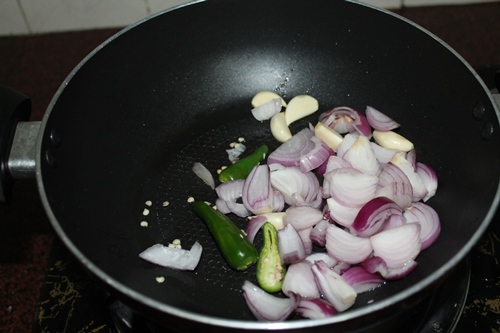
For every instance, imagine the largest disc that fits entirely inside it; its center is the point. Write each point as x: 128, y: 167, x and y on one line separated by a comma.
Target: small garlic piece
x: 264, y: 97
x: 328, y: 135
x: 299, y: 107
x: 392, y: 140
x: 279, y: 128
x: 276, y: 219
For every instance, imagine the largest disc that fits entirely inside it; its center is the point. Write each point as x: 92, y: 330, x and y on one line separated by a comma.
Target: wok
x: 131, y: 119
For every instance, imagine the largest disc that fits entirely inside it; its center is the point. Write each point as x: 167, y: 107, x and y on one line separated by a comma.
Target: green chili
x: 233, y: 244
x: 241, y: 169
x: 270, y: 271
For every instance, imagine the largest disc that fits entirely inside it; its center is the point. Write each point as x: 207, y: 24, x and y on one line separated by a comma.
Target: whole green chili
x: 241, y: 169
x: 233, y: 244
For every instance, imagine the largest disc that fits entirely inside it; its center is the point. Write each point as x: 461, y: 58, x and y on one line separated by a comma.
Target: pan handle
x: 14, y: 108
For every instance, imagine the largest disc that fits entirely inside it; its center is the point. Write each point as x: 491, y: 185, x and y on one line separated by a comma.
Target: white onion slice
x: 299, y: 280
x: 379, y: 120
x: 291, y: 247
x: 302, y: 217
x: 257, y: 191
x: 333, y: 288
x: 378, y: 265
x: 346, y: 247
x: 315, y: 308
x: 201, y: 171
x: 267, y: 110
x: 361, y: 156
x: 176, y: 258
x: 346, y: 120
x: 267, y: 307
x: 429, y: 179
x: 427, y: 217
x: 361, y: 280
x: 398, y: 245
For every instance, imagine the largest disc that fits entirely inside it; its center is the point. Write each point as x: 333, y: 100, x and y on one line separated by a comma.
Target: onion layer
x: 173, y: 257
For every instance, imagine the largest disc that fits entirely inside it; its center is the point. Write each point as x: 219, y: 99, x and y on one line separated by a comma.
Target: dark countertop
x: 36, y: 66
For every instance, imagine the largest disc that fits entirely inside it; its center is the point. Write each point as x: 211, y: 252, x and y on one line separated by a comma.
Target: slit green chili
x: 241, y: 169
x: 232, y: 242
x: 270, y: 271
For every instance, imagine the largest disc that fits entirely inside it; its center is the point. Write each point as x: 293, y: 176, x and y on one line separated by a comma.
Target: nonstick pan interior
x: 132, y: 118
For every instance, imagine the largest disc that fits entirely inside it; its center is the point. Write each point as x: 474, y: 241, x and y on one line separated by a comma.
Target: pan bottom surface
x: 437, y: 313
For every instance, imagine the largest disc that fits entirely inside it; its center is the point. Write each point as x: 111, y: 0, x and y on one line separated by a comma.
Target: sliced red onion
x: 291, y: 247
x: 257, y: 191
x: 379, y: 121
x: 231, y: 190
x: 384, y: 155
x: 373, y: 215
x: 394, y: 221
x: 346, y: 144
x: 305, y: 236
x: 361, y: 280
x: 289, y: 153
x: 278, y: 201
x: 267, y: 110
x: 267, y: 307
x: 427, y: 217
x: 346, y: 120
x: 302, y: 217
x: 345, y: 247
x: 333, y: 288
x: 299, y: 280
x: 222, y: 206
x: 291, y: 180
x: 171, y: 257
x: 318, y: 233
x: 254, y: 225
x: 352, y: 189
x: 411, y: 156
x: 362, y: 157
x: 400, y: 193
x: 238, y: 209
x: 398, y: 245
x: 315, y: 308
x: 419, y: 190
x: 429, y: 179
x: 315, y: 157
x: 392, y: 174
x: 343, y: 215
x: 323, y: 256
x: 201, y: 171
x: 378, y: 265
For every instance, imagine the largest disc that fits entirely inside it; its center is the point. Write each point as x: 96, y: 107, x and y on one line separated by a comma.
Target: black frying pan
x: 131, y: 119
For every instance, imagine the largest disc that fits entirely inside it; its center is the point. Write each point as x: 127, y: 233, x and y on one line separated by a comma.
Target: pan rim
x: 237, y: 324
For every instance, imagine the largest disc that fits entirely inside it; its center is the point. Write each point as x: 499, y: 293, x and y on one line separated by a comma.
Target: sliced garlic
x: 264, y: 97
x: 392, y: 140
x: 328, y: 135
x: 276, y: 219
x: 299, y: 107
x: 279, y: 128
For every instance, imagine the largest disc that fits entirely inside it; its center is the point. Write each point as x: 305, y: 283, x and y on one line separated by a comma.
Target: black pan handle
x: 14, y: 107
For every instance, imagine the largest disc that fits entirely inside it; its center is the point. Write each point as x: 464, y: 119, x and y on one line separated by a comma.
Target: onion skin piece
x: 267, y: 307
x: 201, y: 171
x: 180, y: 259
x: 315, y: 308
x: 333, y: 288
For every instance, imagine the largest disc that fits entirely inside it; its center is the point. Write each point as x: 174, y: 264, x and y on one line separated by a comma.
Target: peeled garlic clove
x: 392, y: 140
x: 299, y: 107
x: 279, y: 128
x: 264, y: 97
x: 329, y: 136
